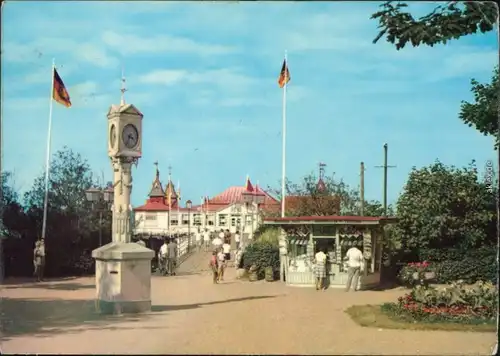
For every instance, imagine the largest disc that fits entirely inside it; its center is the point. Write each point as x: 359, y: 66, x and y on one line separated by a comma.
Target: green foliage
x: 446, y: 22
x: 261, y: 254
x: 443, y: 207
x: 483, y: 113
x: 459, y: 303
x: 72, y: 223
x: 469, y: 265
x: 270, y: 235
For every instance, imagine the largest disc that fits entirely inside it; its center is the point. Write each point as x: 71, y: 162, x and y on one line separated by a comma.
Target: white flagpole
x: 283, y: 148
x: 47, y: 158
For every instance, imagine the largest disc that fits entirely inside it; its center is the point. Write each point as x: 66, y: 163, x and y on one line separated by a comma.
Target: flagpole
x: 47, y: 157
x: 283, y: 148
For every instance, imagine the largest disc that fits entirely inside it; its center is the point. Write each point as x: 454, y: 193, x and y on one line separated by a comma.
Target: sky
x: 205, y: 77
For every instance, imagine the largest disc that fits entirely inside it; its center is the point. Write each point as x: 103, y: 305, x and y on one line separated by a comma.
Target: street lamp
x: 189, y: 205
x: 101, y: 198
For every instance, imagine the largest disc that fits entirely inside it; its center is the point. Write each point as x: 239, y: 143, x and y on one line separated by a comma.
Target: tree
x: 446, y: 22
x: 12, y: 215
x: 307, y: 198
x: 445, y: 207
x: 449, y: 21
x: 72, y: 225
x: 483, y: 113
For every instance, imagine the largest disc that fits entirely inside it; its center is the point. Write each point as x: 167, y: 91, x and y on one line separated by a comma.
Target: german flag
x: 284, y: 77
x: 59, y: 92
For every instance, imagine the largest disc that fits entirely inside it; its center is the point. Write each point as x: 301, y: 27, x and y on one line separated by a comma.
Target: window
x: 235, y: 220
x: 249, y: 219
x: 222, y: 219
x: 174, y: 220
x: 151, y: 216
x: 185, y: 219
x: 210, y: 220
x: 197, y: 219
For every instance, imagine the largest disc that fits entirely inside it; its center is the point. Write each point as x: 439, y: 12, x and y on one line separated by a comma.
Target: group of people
x: 221, y: 254
x: 206, y: 238
x: 167, y: 257
x: 355, y: 263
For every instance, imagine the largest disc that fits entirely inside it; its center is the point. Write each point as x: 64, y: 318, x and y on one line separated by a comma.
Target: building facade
x: 237, y: 208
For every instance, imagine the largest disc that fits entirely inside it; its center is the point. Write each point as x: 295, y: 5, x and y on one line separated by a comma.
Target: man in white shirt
x: 217, y: 242
x: 221, y: 235
x: 320, y: 269
x: 162, y: 257
x: 237, y: 239
x: 355, y: 261
x: 226, y: 249
x: 206, y: 239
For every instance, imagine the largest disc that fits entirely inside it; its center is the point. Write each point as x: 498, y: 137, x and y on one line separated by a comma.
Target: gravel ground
x: 191, y: 316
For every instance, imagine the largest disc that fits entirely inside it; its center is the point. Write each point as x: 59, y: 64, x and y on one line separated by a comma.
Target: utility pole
x: 385, y: 166
x: 362, y: 188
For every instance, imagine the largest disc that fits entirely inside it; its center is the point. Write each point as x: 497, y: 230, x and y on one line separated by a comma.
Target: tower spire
x: 123, y: 88
x: 157, y: 171
x: 169, y: 173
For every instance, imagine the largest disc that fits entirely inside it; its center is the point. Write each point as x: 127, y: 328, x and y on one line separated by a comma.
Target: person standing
x: 355, y: 262
x: 172, y: 257
x: 237, y: 239
x: 221, y: 264
x: 198, y: 239
x: 320, y: 269
x: 237, y: 258
x: 39, y: 259
x: 226, y: 249
x: 163, y: 257
x: 206, y: 239
x: 214, y: 266
x: 222, y: 235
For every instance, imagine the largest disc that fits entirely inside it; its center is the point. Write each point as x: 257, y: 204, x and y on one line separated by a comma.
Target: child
x: 214, y: 266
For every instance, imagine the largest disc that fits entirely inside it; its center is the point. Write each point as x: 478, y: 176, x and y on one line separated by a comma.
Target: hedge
x: 467, y: 265
x: 262, y: 254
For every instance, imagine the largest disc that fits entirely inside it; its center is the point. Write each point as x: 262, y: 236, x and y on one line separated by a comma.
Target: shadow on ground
x: 43, y: 317
x: 163, y: 308
x: 57, y: 286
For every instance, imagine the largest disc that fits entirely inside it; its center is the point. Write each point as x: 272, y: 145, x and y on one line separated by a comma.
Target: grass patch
x: 373, y: 316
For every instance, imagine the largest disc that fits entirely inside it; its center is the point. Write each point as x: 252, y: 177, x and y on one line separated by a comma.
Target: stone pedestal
x: 123, y: 278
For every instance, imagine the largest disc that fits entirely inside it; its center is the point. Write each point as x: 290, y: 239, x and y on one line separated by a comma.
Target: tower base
x: 123, y: 278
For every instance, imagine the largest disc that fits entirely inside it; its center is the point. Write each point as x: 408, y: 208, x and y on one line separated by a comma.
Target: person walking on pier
x: 213, y: 264
x: 172, y: 257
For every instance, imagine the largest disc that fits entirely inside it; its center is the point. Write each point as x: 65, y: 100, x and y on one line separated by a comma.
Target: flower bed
x: 457, y: 303
x: 416, y: 273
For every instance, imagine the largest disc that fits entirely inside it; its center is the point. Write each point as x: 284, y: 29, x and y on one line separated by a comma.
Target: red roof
x: 330, y: 218
x: 234, y: 195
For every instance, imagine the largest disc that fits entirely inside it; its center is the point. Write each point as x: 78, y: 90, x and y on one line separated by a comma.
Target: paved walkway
x: 191, y: 315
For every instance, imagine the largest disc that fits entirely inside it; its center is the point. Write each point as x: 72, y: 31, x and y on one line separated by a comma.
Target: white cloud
x: 53, y: 47
x: 133, y: 44
x: 224, y: 77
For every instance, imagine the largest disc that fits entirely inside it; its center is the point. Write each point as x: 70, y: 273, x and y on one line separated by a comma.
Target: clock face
x: 112, y: 135
x: 130, y: 136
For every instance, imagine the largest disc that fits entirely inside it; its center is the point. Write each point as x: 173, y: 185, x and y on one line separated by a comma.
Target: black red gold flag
x: 284, y: 77
x: 59, y: 92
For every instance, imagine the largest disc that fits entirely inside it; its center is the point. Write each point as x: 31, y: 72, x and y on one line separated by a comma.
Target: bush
x: 261, y: 254
x: 469, y: 265
x: 455, y: 303
x: 406, y: 274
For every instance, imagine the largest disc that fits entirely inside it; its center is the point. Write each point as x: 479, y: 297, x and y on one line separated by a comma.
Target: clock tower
x: 123, y: 268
